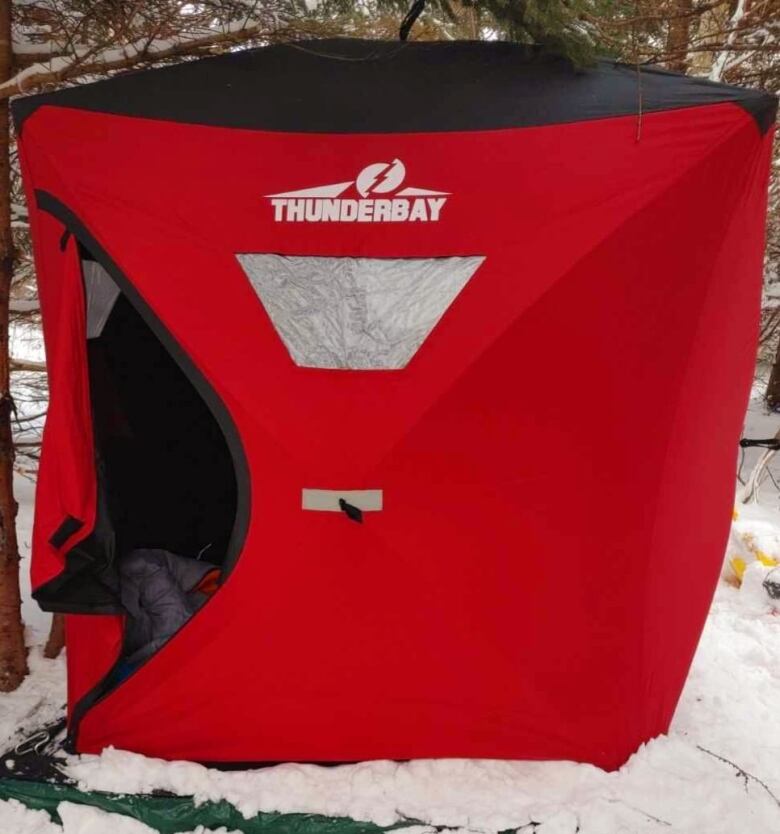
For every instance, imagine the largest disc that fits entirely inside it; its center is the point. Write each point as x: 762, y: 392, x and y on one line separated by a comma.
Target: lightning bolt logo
x: 380, y: 178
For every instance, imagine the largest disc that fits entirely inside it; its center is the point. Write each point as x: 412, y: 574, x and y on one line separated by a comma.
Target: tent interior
x: 166, y: 480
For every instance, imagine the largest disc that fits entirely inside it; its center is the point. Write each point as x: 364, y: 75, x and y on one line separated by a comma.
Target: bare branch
x: 742, y: 773
x: 98, y: 61
x: 28, y: 365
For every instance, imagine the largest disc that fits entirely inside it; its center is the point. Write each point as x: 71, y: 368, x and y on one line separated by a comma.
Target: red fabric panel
x: 540, y: 456
x: 700, y: 450
x: 66, y: 477
x: 93, y: 643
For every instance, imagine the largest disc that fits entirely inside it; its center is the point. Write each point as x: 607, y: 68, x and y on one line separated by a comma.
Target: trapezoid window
x: 358, y: 313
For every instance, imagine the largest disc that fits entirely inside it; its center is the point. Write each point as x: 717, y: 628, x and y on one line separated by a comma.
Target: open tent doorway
x: 168, y: 474
x: 166, y: 484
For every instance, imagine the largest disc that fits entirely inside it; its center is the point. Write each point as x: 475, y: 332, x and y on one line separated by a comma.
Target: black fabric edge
x: 49, y: 594
x: 52, y: 205
x: 260, y: 764
x: 66, y: 608
x: 760, y: 105
x: 762, y: 109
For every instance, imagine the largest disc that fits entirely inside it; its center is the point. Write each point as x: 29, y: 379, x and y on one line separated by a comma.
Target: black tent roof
x: 400, y: 87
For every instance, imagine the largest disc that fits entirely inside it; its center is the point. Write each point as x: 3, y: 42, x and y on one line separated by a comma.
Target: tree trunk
x: 13, y: 657
x: 772, y: 395
x: 678, y: 38
x: 56, y: 641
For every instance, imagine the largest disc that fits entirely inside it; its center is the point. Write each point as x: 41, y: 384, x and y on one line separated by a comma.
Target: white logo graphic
x: 381, y: 200
x: 380, y: 178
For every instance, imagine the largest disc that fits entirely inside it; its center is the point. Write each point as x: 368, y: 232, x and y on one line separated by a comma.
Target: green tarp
x: 175, y: 814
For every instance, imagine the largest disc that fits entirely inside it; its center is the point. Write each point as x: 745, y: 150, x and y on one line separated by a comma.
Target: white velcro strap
x: 327, y: 500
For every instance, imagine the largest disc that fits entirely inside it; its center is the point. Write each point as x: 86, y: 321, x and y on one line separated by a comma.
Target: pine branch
x: 99, y: 61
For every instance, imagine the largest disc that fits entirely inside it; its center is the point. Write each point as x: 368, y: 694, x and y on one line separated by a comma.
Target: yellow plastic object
x: 769, y: 561
x: 738, y: 565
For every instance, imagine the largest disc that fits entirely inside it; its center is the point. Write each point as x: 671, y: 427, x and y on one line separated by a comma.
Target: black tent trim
x: 402, y: 87
x: 52, y: 205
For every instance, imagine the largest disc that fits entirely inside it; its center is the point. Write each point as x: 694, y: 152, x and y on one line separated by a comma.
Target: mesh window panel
x: 101, y: 293
x: 360, y: 313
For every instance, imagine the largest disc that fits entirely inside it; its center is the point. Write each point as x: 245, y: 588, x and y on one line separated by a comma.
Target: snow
x: 721, y: 58
x: 38, y: 701
x: 18, y: 819
x: 37, y: 622
x: 718, y: 770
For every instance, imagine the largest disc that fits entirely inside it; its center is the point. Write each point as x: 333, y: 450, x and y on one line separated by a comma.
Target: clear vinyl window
x: 359, y: 313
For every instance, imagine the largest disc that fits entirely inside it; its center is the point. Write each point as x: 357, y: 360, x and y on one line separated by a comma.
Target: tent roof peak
x: 408, y: 87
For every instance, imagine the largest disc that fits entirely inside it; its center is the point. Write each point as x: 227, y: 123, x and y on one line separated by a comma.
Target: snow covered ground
x: 717, y: 772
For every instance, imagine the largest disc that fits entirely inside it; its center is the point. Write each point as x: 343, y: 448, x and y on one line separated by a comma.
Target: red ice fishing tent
x: 439, y: 351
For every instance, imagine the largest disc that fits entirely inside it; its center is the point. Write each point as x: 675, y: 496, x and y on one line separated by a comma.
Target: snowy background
x: 717, y: 771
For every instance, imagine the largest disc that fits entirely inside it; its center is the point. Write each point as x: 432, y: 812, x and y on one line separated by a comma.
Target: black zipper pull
x: 352, y: 512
